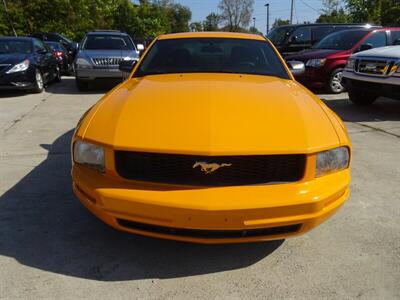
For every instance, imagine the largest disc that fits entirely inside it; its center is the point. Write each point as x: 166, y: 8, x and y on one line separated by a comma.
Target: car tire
x: 39, y: 83
x: 57, y: 77
x: 81, y: 85
x: 362, y: 97
x: 335, y: 85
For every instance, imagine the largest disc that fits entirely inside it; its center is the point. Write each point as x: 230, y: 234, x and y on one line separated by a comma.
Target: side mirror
x: 140, y: 47
x: 126, y: 66
x: 365, y: 47
x: 296, y: 67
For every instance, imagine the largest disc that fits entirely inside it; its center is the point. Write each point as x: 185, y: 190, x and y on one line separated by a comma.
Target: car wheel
x: 362, y: 97
x: 39, y: 83
x: 335, y: 85
x: 57, y: 78
x: 81, y: 85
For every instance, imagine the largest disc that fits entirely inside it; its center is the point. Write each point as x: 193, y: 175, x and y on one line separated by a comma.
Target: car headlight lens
x: 90, y: 155
x: 332, y: 160
x: 350, y: 64
x: 82, y: 63
x: 23, y: 66
x: 316, y: 63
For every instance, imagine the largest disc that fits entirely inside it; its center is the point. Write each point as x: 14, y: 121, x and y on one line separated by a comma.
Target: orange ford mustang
x: 211, y: 140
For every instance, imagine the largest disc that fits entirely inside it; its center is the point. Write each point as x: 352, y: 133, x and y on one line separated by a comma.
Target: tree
x: 179, y: 17
x: 280, y: 22
x: 236, y: 13
x: 335, y: 17
x: 212, y: 22
x: 196, y: 26
x: 365, y: 11
x: 390, y: 15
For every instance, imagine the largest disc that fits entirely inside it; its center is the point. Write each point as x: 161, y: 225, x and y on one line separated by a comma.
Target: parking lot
x: 50, y: 246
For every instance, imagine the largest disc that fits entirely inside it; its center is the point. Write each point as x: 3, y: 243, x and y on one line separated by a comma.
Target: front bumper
x: 314, y: 77
x: 98, y: 73
x: 17, y: 81
x: 211, y: 215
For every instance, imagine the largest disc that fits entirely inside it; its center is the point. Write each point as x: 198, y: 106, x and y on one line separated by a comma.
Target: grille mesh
x: 106, y: 61
x: 237, y: 170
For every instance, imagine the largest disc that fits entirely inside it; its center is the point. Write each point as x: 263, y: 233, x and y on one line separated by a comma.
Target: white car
x: 371, y: 74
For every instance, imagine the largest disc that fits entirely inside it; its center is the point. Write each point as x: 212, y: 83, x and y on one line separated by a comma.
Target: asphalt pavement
x: 51, y: 247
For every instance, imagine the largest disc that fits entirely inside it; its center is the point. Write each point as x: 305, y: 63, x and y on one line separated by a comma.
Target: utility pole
x: 8, y: 17
x: 267, y: 5
x: 254, y: 22
x: 291, y: 11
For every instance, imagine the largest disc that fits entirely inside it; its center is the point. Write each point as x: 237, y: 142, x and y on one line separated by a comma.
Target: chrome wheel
x: 39, y: 80
x: 336, y: 82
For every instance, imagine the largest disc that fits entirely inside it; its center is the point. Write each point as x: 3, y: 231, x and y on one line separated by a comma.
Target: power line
x: 309, y: 6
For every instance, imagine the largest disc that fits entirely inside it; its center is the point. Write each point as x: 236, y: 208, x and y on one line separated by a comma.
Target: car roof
x: 333, y: 24
x: 211, y: 34
x: 16, y: 38
x: 106, y: 32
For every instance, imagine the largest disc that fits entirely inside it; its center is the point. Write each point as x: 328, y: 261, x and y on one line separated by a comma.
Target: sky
x: 305, y: 10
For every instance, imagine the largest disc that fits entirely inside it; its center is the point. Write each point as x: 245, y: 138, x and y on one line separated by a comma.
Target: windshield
x: 108, y: 42
x: 15, y: 46
x: 279, y: 35
x: 211, y: 55
x: 342, y: 40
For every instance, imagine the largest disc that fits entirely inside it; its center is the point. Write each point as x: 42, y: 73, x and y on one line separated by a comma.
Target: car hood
x: 211, y: 114
x: 305, y: 55
x: 382, y: 52
x: 108, y: 53
x: 12, y: 59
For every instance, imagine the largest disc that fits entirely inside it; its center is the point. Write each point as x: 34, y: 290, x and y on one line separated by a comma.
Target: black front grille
x: 210, y: 234
x: 209, y: 170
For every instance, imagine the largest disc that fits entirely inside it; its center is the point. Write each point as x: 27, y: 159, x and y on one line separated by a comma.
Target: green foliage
x: 74, y: 18
x: 212, y: 22
x: 334, y: 16
x: 280, y: 22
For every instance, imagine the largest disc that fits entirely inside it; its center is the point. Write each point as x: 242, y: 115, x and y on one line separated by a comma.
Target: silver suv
x: 373, y: 73
x: 99, y: 55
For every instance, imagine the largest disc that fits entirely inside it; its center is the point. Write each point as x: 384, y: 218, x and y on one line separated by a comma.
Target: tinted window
x: 55, y: 46
x: 107, y: 42
x: 342, y: 40
x: 318, y: 33
x: 377, y: 39
x: 212, y: 55
x: 395, y: 37
x: 15, y: 46
x: 301, y: 36
x: 38, y: 45
x: 279, y: 35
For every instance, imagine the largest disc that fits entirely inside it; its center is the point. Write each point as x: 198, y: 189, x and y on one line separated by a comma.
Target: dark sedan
x: 65, y: 60
x: 26, y: 64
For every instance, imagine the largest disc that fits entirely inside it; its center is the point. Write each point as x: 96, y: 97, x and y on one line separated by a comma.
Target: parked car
x: 99, y: 55
x: 70, y: 45
x: 65, y: 61
x: 371, y: 74
x: 290, y: 39
x: 211, y: 140
x: 26, y: 64
x: 325, y: 60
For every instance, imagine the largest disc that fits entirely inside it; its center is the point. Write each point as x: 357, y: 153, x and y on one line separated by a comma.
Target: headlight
x: 89, y: 154
x: 316, y: 63
x: 332, y: 160
x: 83, y: 64
x: 350, y: 64
x: 19, y: 67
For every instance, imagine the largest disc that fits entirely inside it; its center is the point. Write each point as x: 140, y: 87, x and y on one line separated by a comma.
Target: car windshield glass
x: 107, y: 42
x: 54, y: 46
x: 279, y: 35
x: 212, y: 55
x: 342, y: 40
x: 15, y: 46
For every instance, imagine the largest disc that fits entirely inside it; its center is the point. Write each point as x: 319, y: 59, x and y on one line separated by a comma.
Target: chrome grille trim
x: 377, y: 67
x: 106, y: 61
